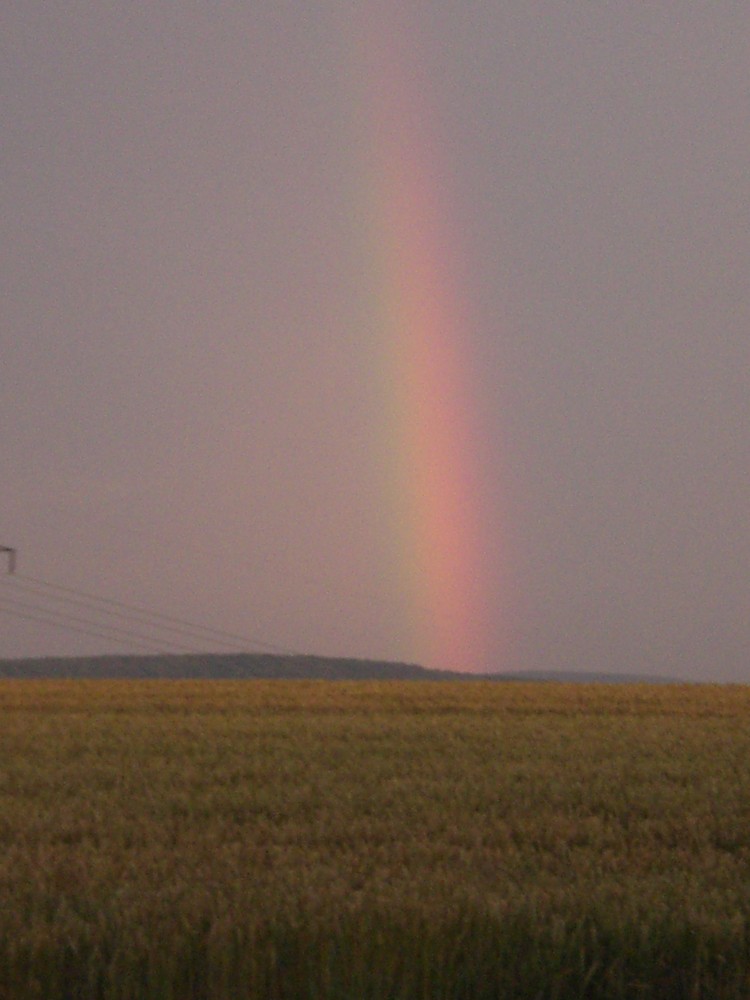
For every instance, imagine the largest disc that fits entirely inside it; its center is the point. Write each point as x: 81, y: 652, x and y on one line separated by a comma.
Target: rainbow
x: 431, y: 434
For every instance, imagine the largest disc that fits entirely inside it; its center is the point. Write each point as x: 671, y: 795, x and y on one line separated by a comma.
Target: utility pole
x: 11, y: 553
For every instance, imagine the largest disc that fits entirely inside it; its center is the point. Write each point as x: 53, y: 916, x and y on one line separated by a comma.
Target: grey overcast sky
x: 195, y: 411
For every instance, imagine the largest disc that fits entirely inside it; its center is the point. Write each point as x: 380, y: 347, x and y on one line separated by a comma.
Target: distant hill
x: 265, y: 666
x: 218, y: 666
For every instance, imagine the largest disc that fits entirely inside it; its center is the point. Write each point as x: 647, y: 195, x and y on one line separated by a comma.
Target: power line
x: 115, y: 631
x: 74, y: 628
x: 155, y: 617
x: 150, y: 621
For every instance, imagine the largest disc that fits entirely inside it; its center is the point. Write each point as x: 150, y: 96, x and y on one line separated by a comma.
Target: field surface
x: 373, y: 840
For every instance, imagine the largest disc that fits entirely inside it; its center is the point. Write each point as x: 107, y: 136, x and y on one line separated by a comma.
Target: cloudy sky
x: 200, y: 410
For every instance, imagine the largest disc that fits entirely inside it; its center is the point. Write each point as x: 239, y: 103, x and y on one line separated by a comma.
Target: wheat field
x: 386, y: 840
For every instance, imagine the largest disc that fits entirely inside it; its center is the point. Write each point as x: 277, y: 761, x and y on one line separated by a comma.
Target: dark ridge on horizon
x: 271, y: 666
x: 218, y: 666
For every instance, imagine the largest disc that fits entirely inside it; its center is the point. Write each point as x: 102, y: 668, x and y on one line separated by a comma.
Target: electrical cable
x: 154, y: 617
x: 115, y: 631
x: 150, y: 621
x: 73, y: 628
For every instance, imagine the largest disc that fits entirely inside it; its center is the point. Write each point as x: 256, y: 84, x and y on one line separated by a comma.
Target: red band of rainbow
x: 423, y: 323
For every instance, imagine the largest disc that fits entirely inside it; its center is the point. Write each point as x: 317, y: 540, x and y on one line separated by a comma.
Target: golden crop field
x: 363, y: 840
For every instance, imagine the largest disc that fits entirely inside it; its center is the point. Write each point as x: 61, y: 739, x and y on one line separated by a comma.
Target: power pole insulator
x: 11, y: 553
